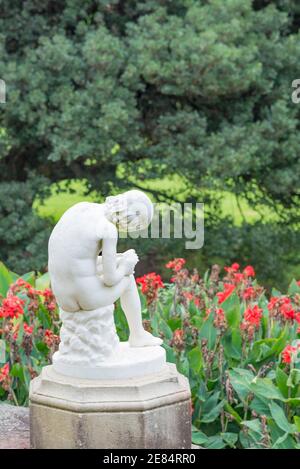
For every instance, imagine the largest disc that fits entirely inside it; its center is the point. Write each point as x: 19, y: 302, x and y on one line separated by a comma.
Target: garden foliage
x: 99, y: 90
x: 239, y: 349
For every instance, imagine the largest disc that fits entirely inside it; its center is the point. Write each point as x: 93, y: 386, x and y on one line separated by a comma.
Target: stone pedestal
x: 142, y: 412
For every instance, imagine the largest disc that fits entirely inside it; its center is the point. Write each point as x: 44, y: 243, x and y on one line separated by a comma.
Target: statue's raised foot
x: 144, y: 339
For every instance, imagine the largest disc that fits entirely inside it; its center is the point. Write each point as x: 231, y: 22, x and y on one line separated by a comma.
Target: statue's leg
x: 131, y: 305
x: 92, y: 293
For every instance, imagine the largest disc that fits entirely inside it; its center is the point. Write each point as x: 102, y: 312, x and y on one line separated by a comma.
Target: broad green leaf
x: 174, y: 323
x: 43, y: 281
x: 293, y: 401
x: 260, y: 406
x: 281, y: 439
x: 165, y: 329
x: 281, y: 381
x: 208, y: 331
x: 44, y: 317
x: 17, y: 371
x: 170, y: 354
x: 29, y: 277
x: 155, y: 324
x: 232, y: 310
x: 42, y: 347
x: 254, y: 425
x: 297, y: 422
x: 265, y: 388
x: 213, y: 414
x: 266, y: 348
x: 232, y: 412
x: 195, y: 359
x: 230, y: 438
x: 199, y: 438
x: 232, y: 344
x: 250, y: 439
x: 293, y: 288
x: 211, y: 402
x: 6, y: 278
x: 241, y: 380
x: 183, y: 366
x: 294, y: 378
x: 280, y: 418
x: 215, y: 442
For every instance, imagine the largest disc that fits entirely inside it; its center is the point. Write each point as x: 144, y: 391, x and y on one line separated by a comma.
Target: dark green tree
x: 196, y: 88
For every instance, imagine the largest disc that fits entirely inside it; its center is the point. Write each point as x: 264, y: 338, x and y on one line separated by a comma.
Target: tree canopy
x: 201, y: 89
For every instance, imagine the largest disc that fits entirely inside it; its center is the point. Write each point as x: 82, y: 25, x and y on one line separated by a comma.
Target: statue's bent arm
x: 113, y: 271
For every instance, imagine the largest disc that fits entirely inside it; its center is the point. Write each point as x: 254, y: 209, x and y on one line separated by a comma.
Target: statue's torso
x: 74, y: 245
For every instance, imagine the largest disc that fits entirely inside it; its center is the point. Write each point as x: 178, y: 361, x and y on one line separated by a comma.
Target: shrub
x: 29, y: 327
x: 239, y: 349
x: 98, y: 91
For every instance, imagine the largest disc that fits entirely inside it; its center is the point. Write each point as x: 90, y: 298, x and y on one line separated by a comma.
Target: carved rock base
x: 147, y: 412
x: 86, y: 337
x: 127, y: 362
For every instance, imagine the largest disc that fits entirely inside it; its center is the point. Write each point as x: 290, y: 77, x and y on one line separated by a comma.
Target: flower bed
x: 239, y: 348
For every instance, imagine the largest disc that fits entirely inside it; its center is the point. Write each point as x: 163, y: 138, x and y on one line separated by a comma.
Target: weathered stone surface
x: 14, y: 427
x: 148, y: 412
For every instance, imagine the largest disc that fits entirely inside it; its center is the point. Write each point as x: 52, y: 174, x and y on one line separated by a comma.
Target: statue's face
x: 133, y: 218
x: 130, y: 212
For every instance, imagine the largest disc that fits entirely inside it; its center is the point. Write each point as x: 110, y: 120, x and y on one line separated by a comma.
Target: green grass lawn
x: 58, y: 203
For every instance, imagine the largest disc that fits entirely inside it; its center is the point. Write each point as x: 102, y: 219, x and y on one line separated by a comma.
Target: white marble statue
x: 86, y: 286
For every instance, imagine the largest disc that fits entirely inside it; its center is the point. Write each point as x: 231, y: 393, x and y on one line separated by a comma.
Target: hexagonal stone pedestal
x: 146, y: 412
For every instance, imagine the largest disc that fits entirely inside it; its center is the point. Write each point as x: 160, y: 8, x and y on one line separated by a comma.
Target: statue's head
x: 130, y: 211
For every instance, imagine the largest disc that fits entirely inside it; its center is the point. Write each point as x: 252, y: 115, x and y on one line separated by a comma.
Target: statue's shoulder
x: 106, y: 229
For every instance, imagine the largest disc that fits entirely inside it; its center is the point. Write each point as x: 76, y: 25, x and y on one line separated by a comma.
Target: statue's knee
x: 129, y: 282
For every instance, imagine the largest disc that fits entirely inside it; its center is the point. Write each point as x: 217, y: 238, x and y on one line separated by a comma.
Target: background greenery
x: 241, y: 353
x: 188, y: 99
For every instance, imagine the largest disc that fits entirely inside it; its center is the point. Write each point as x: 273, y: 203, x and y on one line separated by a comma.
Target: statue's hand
x: 129, y: 261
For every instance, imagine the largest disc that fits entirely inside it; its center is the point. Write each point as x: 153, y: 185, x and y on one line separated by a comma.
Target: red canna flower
x: 188, y: 295
x: 282, y: 308
x: 176, y: 264
x: 249, y: 293
x: 287, y: 311
x: 220, y: 320
x: 21, y: 285
x: 150, y: 284
x: 48, y: 294
x: 228, y: 289
x: 50, y: 301
x: 233, y: 268
x: 50, y: 338
x: 27, y: 329
x: 196, y: 301
x: 12, y: 307
x: 4, y: 377
x: 273, y: 303
x: 238, y: 277
x: 251, y: 322
x: 249, y: 271
x: 253, y: 315
x: 288, y: 353
x: 178, y: 339
x: 4, y: 371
